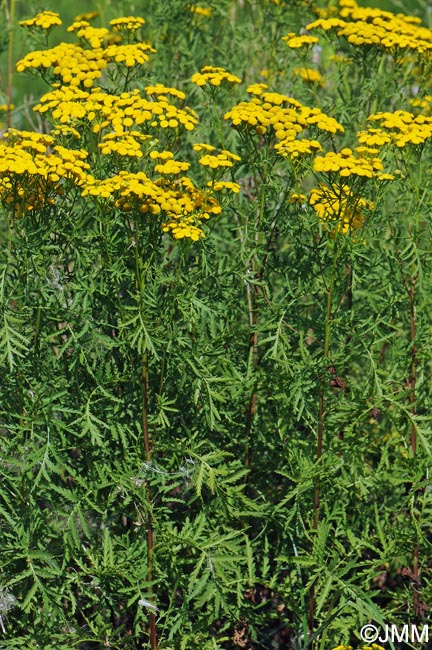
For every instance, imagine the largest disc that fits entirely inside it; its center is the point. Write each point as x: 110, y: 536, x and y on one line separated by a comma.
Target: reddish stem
x: 150, y: 541
x: 412, y: 382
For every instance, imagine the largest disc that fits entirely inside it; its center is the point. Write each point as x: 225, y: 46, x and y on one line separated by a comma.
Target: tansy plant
x: 108, y: 164
x: 215, y: 327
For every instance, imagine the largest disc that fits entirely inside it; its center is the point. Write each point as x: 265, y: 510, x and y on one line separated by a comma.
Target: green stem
x: 320, y: 433
x: 413, y: 374
x: 37, y: 328
x: 139, y: 283
x: 321, y: 417
x: 253, y: 352
x: 218, y: 123
x: 256, y: 271
x: 148, y: 454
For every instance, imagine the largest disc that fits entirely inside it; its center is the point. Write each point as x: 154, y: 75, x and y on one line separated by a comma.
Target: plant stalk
x: 253, y: 317
x: 321, y: 416
x: 413, y: 363
x: 321, y: 408
x: 146, y: 435
x: 150, y: 539
x: 413, y: 376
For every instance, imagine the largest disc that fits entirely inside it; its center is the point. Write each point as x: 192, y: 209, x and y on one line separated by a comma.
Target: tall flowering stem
x: 413, y: 372
x: 259, y: 182
x: 410, y: 286
x: 150, y: 539
x: 412, y: 382
x: 265, y: 126
x: 338, y: 206
x: 144, y: 380
x: 321, y: 416
x: 321, y: 408
x: 409, y: 132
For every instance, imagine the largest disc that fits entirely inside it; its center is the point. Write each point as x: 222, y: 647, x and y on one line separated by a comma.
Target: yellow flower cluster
x: 401, y: 128
x: 43, y: 20
x: 160, y: 89
x: 217, y: 186
x: 203, y: 146
x: 131, y: 54
x: 309, y: 75
x: 127, y: 125
x: 25, y: 152
x: 128, y: 24
x: 339, y: 207
x: 346, y: 163
x: 27, y: 140
x: 297, y: 197
x: 184, y: 205
x: 172, y: 167
x: 206, y: 12
x: 70, y: 105
x: 65, y: 131
x: 373, y: 137
x: 33, y: 170
x: 274, y: 114
x: 96, y: 37
x: 81, y: 64
x: 297, y: 147
x: 424, y: 103
x: 368, y: 26
x: 299, y: 41
x: 127, y: 143
x: 161, y: 155
x: 215, y: 160
x: 81, y: 24
x: 70, y: 63
x: 214, y: 76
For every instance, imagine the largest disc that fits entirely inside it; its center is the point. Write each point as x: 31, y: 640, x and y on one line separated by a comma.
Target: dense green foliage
x: 233, y: 429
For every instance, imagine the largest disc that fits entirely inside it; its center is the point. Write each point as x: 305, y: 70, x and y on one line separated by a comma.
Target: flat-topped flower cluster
x: 91, y: 121
x: 137, y: 133
x: 283, y: 118
x: 366, y: 26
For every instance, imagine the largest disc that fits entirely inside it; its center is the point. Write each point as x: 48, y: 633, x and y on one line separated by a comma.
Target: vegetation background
x: 219, y: 441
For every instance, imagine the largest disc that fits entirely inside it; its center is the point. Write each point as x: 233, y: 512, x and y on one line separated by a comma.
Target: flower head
x: 309, y: 75
x: 338, y: 207
x: 214, y: 77
x: 206, y: 12
x: 43, y: 20
x: 127, y: 24
x: 295, y: 41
